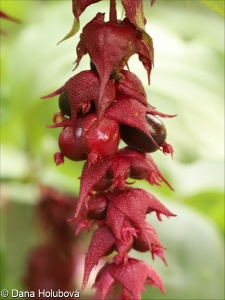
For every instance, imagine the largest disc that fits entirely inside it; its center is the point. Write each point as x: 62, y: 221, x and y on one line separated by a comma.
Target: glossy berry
x: 70, y: 142
x: 100, y: 140
x: 64, y: 104
x: 140, y: 245
x: 139, y: 140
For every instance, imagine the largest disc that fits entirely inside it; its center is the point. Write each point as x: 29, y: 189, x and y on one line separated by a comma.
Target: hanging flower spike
x: 98, y: 107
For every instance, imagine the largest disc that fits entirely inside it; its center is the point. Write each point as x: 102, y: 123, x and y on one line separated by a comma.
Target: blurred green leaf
x: 216, y: 5
x: 18, y: 237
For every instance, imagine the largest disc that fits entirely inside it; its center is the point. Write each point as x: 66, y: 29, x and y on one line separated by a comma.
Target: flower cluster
x: 98, y: 108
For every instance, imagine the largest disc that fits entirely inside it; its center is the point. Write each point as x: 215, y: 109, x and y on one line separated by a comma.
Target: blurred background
x: 187, y: 80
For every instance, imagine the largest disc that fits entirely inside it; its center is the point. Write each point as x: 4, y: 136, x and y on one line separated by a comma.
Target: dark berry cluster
x: 98, y: 107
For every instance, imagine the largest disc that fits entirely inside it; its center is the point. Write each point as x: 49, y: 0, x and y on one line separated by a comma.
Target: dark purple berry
x: 139, y: 141
x: 64, y: 104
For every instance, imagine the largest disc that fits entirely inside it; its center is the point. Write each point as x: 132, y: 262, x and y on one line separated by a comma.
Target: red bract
x: 132, y: 205
x: 83, y: 89
x: 80, y: 5
x: 142, y: 166
x: 132, y: 276
x: 117, y: 42
x: 130, y: 86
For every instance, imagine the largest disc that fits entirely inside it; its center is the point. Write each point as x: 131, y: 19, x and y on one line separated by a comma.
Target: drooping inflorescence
x: 98, y: 108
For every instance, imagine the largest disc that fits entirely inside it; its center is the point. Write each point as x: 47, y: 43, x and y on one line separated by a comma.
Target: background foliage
x: 188, y: 79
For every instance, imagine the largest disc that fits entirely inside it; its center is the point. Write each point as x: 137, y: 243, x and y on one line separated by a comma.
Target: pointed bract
x: 132, y: 275
x: 130, y: 87
x: 101, y: 242
x: 90, y: 176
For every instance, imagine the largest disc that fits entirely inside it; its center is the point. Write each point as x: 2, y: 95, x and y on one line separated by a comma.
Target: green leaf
x: 72, y: 32
x: 215, y: 5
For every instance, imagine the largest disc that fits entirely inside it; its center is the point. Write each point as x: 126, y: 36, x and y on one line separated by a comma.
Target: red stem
x: 112, y: 13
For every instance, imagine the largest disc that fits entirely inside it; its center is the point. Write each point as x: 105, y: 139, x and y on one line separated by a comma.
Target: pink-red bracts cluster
x: 100, y: 107
x: 53, y: 262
